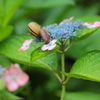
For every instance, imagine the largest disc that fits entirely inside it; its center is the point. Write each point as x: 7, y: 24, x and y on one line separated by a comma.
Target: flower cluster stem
x: 63, y: 77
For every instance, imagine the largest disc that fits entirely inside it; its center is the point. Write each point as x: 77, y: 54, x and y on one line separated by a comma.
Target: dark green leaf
x: 46, y: 3
x: 4, y: 95
x: 5, y: 62
x: 5, y: 32
x: 10, y: 7
x: 49, y: 62
x: 91, y: 19
x: 87, y: 67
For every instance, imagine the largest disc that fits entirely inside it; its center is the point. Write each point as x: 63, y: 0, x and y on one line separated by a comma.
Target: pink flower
x: 15, y: 77
x: 62, y: 22
x: 2, y: 71
x: 92, y: 25
x: 51, y: 45
x: 26, y: 45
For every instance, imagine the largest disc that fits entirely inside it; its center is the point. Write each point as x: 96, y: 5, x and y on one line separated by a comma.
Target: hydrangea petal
x: 15, y: 77
x: 26, y: 45
x: 7, y: 78
x: 22, y: 79
x: 52, y: 47
x: 53, y: 41
x: 62, y: 22
x: 23, y: 48
x: 44, y: 47
x: 97, y: 23
x: 92, y: 25
x: 12, y: 86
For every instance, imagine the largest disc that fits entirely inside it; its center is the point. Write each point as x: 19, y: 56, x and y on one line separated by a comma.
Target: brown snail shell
x: 34, y: 29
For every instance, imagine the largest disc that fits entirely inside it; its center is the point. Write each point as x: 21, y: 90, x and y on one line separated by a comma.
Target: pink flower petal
x: 15, y: 77
x: 92, y: 25
x: 23, y: 48
x: 62, y: 22
x: 13, y: 70
x: 52, y: 47
x: 12, y: 86
x: 97, y: 23
x: 7, y: 78
x: 18, y: 67
x: 26, y: 45
x: 28, y: 42
x: 53, y: 41
x: 44, y: 47
x: 22, y: 79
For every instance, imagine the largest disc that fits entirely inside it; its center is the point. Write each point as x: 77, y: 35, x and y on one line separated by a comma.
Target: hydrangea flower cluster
x: 2, y: 71
x: 65, y: 30
x: 14, y: 77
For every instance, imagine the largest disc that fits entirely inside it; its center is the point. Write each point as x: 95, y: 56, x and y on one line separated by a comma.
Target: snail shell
x: 34, y: 29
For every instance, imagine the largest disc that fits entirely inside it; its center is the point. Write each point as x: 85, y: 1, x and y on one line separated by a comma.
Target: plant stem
x: 69, y: 46
x: 63, y: 76
x: 58, y: 77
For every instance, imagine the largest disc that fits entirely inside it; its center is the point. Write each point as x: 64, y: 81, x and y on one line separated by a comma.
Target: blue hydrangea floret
x: 65, y: 30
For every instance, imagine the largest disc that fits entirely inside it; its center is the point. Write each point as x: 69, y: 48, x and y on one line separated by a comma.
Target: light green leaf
x: 38, y: 53
x: 1, y: 11
x: 2, y: 84
x: 84, y: 33
x: 10, y: 7
x: 9, y: 48
x: 46, y: 4
x: 4, y: 95
x: 87, y: 67
x: 88, y: 44
x: 5, y: 32
x: 82, y: 96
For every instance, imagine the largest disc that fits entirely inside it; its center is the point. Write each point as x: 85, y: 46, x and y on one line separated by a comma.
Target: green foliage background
x: 43, y: 85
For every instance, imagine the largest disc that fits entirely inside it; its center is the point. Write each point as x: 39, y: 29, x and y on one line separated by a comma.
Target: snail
x: 36, y: 30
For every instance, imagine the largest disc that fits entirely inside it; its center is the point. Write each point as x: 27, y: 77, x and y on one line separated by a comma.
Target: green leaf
x: 38, y: 53
x: 89, y: 18
x: 1, y: 11
x: 88, y: 44
x: 2, y: 84
x: 87, y: 67
x: 46, y: 4
x: 9, y: 48
x: 5, y: 62
x: 4, y: 95
x: 49, y: 62
x: 10, y: 7
x: 5, y: 32
x: 82, y: 96
x: 84, y: 33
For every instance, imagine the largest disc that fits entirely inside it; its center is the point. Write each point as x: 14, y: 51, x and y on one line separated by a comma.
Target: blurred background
x: 43, y: 84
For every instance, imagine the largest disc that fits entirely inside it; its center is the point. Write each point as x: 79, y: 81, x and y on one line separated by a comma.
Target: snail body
x: 36, y: 30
